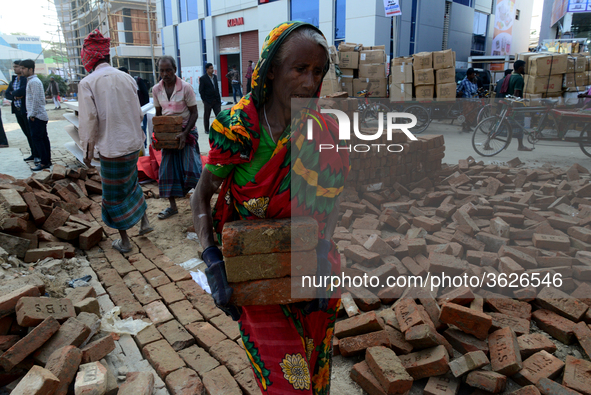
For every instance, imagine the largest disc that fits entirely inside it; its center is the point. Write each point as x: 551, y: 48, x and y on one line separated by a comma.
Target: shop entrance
x: 226, y: 63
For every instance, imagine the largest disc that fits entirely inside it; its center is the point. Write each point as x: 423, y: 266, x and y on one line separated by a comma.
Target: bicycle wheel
x: 371, y: 115
x: 485, y: 112
x: 491, y: 136
x: 423, y: 118
x: 585, y: 144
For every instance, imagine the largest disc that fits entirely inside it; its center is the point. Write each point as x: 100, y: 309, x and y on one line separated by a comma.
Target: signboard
x: 579, y: 6
x: 392, y: 8
x: 191, y: 76
x: 235, y: 22
x: 503, y: 33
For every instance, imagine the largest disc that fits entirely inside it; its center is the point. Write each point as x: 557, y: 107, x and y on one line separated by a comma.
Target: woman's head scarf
x: 234, y: 135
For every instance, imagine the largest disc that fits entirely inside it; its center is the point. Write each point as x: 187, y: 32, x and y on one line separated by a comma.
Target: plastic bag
x: 112, y: 323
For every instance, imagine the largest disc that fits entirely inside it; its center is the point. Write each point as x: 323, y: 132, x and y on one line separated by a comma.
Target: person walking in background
x: 54, y: 91
x: 110, y: 119
x: 180, y: 168
x: 210, y: 95
x: 37, y: 115
x: 248, y: 76
x: 143, y: 95
x: 468, y: 89
x: 16, y: 92
x: 234, y: 77
x: 515, y: 88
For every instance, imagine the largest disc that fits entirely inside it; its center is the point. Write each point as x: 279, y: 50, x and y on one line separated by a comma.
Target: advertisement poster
x: 503, y: 34
x: 392, y: 8
x: 579, y: 6
x: 191, y: 76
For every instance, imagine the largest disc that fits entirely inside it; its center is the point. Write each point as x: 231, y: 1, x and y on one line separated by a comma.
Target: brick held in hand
x: 167, y: 120
x: 271, y: 292
x: 269, y: 236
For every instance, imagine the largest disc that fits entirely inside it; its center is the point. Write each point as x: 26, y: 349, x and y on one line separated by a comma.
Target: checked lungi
x: 180, y: 169
x: 123, y: 198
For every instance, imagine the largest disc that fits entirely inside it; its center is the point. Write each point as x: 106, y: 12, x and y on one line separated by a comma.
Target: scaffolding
x: 131, y: 25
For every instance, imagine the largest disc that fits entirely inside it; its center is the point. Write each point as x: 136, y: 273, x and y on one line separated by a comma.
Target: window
x: 305, y: 11
x: 267, y: 1
x: 178, y: 51
x: 413, y: 27
x: 516, y: 15
x: 208, y: 8
x: 467, y: 3
x: 127, y: 26
x: 479, y: 34
x: 167, y: 10
x: 163, y: 46
x: 340, y: 20
x: 182, y: 11
x: 203, y: 43
x: 192, y: 13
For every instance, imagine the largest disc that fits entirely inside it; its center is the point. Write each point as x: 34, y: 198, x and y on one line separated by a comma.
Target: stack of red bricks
x: 48, y: 214
x: 166, y: 128
x: 480, y: 221
x: 418, y: 159
x: 264, y: 257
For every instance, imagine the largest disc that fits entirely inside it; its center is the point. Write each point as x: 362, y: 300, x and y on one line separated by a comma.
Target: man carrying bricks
x: 110, y: 120
x: 251, y: 159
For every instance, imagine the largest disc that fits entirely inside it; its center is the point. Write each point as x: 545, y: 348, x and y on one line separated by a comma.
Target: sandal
x: 117, y: 246
x: 145, y: 231
x: 167, y: 213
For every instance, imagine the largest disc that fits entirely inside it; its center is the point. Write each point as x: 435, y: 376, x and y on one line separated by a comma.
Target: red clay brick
x: 540, y: 365
x: 9, y: 300
x: 468, y: 320
x: 198, y: 359
x: 184, y: 382
x: 442, y: 385
x: 264, y: 266
x: 464, y: 342
x: 362, y: 375
x: 140, y: 383
x: 38, y: 381
x: 28, y: 344
x: 163, y: 358
x: 71, y: 333
x: 504, y: 352
x: 356, y: 345
x: 31, y: 311
x: 176, y: 335
x: 487, y: 381
x: 57, y: 218
x: 532, y: 343
x: 557, y: 326
x: 388, y: 370
x: 364, y: 323
x: 231, y: 355
x: 98, y: 349
x: 561, y: 303
x: 205, y: 334
x: 220, y: 382
x: 63, y: 363
x: 467, y: 362
x: 426, y: 363
x: 577, y: 375
x: 549, y: 387
x: 407, y: 314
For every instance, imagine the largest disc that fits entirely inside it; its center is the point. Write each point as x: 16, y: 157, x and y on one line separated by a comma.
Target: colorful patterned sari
x: 290, y: 350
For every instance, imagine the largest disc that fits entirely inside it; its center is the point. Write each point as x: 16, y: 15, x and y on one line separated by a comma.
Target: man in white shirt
x: 110, y: 121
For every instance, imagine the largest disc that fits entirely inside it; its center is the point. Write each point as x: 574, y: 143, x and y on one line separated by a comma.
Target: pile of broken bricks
x: 481, y: 221
x: 49, y: 214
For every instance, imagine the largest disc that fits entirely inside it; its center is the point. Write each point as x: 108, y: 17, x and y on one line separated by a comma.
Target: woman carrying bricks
x: 262, y: 175
x: 180, y: 168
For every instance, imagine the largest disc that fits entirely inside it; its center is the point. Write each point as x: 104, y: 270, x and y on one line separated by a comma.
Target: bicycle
x: 493, y: 134
x: 371, y: 112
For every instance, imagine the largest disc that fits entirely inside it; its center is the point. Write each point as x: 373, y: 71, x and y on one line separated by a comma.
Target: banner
x: 579, y: 6
x: 503, y: 34
x: 392, y: 8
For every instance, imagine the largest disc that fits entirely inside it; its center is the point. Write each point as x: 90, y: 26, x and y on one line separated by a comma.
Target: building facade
x: 559, y: 23
x: 231, y: 32
x: 14, y: 47
x: 131, y: 25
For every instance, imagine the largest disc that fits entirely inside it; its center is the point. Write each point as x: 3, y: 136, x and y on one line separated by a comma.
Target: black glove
x: 323, y: 269
x: 218, y: 282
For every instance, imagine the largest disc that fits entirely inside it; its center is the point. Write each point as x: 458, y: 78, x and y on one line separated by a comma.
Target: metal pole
x: 148, y: 6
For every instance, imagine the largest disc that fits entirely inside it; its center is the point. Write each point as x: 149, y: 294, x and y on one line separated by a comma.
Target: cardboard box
x: 372, y: 70
x: 331, y: 74
x: 401, y: 73
x: 446, y: 91
x: 588, y: 73
x: 382, y: 47
x: 424, y: 92
x: 445, y: 76
x: 575, y: 80
x: 378, y: 87
x: 400, y: 92
x: 544, y: 65
x: 424, y: 77
x: 347, y: 85
x: 443, y: 59
x: 372, y: 56
x: 334, y: 54
x: 348, y: 73
x: 349, y: 60
x: 329, y: 87
x: 542, y: 84
x: 525, y: 57
x: 576, y: 64
x: 350, y: 47
x: 588, y: 63
x: 422, y: 60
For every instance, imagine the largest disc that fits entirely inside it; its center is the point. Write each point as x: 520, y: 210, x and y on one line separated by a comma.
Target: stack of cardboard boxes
x: 361, y: 67
x: 434, y: 76
x: 401, y: 79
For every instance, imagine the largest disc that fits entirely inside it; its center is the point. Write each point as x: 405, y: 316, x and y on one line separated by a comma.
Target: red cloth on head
x: 95, y: 48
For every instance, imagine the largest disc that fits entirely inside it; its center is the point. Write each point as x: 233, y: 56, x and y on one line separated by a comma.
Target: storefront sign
x: 235, y: 22
x: 579, y: 6
x: 503, y: 34
x: 392, y: 8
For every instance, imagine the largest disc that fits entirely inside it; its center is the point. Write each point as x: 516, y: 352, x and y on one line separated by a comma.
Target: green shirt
x: 245, y: 172
x: 515, y: 84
